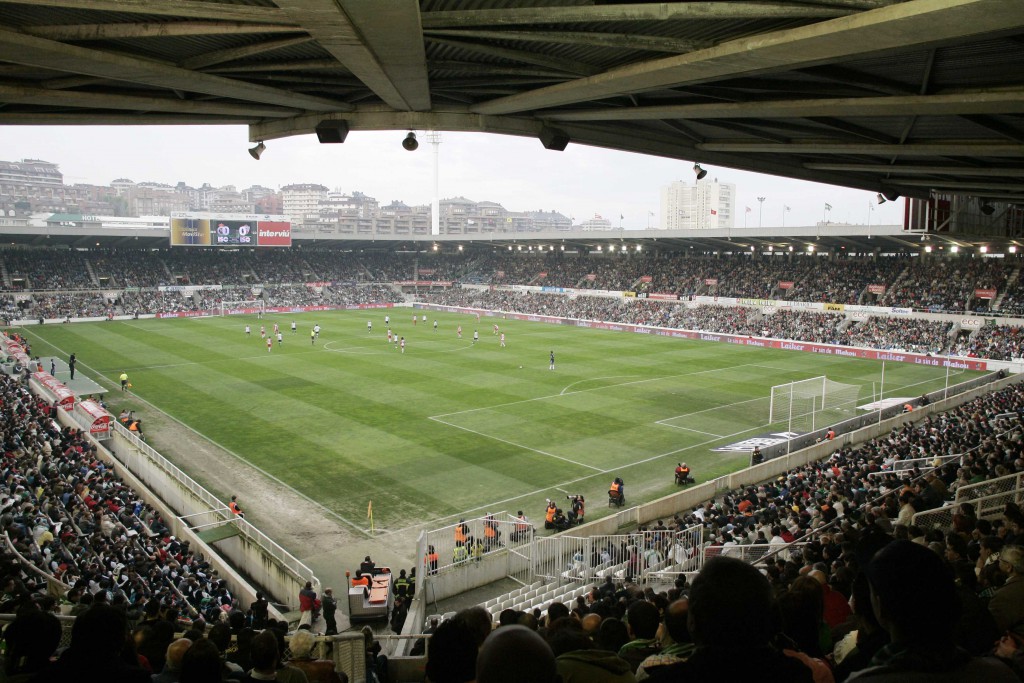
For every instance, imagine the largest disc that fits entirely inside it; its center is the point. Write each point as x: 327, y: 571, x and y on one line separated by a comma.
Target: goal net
x: 246, y: 307
x: 812, y: 404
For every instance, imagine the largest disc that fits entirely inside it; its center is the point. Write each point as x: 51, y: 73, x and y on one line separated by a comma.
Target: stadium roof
x: 888, y: 96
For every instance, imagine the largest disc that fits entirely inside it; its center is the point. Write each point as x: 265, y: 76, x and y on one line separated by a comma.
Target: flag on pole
x: 748, y: 209
x: 713, y: 212
x: 651, y: 212
x: 369, y: 513
x: 786, y: 208
x: 828, y: 207
x: 621, y: 216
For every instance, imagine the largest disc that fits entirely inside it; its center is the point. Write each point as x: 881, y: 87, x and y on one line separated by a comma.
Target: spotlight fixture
x: 699, y: 171
x: 554, y: 138
x: 409, y: 144
x: 986, y: 207
x: 331, y: 132
x: 257, y: 151
x: 880, y: 199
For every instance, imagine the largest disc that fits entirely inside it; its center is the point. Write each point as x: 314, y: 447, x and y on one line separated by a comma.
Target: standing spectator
x: 914, y: 597
x: 330, y: 606
x: 307, y: 604
x: 71, y: 365
x: 259, y: 609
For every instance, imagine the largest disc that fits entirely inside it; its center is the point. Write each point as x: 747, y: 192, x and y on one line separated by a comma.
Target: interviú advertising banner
x: 190, y: 229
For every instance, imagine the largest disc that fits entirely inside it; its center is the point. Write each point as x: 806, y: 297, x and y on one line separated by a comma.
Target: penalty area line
x: 512, y: 443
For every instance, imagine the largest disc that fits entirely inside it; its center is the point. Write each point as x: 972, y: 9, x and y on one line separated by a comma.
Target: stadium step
x: 218, y: 533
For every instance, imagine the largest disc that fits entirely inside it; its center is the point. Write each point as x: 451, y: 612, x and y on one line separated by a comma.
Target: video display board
x: 230, y: 230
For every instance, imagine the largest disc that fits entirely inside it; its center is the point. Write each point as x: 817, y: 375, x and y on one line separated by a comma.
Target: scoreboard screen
x: 235, y: 230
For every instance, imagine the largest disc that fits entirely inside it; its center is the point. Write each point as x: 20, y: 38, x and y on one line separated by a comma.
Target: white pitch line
x: 688, y: 429
x: 581, y: 391
x: 512, y: 443
x: 592, y: 379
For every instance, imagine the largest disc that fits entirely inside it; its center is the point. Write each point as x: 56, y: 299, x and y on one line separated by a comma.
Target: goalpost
x: 811, y: 404
x: 246, y: 307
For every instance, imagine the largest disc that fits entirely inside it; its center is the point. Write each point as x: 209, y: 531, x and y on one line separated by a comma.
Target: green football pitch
x: 450, y: 427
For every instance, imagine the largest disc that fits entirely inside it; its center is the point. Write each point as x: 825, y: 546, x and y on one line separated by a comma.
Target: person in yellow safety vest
x: 461, y: 531
x: 401, y: 585
x: 549, y: 515
x: 459, y: 554
x: 431, y: 560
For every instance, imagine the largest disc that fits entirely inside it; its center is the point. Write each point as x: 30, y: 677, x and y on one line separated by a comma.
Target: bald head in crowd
x: 515, y: 654
x: 591, y: 623
x: 176, y: 651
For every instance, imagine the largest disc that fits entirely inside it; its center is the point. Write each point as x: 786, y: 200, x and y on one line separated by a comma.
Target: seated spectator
x: 675, y: 640
x: 914, y: 598
x: 316, y: 670
x: 31, y: 639
x: 577, y: 659
x: 452, y: 656
x: 642, y: 626
x: 99, y: 651
x: 515, y: 654
x: 1007, y: 605
x: 731, y: 608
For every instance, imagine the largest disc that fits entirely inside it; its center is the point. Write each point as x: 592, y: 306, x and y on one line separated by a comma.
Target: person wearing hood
x: 577, y: 659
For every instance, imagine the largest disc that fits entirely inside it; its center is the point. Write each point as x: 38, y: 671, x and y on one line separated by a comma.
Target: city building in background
x: 706, y: 205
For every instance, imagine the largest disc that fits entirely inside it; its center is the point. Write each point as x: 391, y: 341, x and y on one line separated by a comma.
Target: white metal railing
x: 989, y: 499
x: 271, y: 547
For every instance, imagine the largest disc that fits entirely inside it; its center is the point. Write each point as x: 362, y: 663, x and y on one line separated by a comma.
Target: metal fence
x: 989, y: 499
x: 508, y: 537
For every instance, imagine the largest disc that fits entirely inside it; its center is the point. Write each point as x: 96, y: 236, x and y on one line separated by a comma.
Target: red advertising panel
x: 273, y: 234
x: 646, y: 278
x: 786, y: 284
x: 985, y: 294
x: 876, y: 289
x: 591, y: 277
x: 93, y: 414
x: 711, y: 281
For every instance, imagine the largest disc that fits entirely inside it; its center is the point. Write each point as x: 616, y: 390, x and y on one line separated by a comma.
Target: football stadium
x: 325, y: 440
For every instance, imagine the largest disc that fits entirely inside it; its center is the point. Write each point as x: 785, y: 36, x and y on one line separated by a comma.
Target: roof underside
x: 896, y: 97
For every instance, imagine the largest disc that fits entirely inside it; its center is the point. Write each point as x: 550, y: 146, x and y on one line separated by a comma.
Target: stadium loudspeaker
x: 409, y: 144
x: 553, y: 138
x: 257, y: 151
x: 331, y: 131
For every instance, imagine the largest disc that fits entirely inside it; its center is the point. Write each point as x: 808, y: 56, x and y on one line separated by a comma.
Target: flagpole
x: 369, y: 513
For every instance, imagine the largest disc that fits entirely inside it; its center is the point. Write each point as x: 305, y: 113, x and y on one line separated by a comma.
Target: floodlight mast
x: 434, y: 138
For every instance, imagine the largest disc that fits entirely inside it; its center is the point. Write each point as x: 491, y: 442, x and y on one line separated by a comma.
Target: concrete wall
x: 176, y: 496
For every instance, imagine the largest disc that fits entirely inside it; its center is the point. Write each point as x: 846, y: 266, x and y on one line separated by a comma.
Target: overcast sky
x: 518, y: 173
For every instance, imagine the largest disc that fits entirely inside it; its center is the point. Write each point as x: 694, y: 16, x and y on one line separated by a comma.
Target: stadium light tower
x: 434, y: 138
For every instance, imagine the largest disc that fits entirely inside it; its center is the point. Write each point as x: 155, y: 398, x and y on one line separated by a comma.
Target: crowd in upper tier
x: 939, y: 284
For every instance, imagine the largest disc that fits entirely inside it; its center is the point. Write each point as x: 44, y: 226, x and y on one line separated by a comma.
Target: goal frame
x: 243, y: 307
x: 815, y: 391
